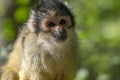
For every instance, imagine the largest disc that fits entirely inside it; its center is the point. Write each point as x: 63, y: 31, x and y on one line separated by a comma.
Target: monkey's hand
x: 9, y: 75
x: 23, y: 75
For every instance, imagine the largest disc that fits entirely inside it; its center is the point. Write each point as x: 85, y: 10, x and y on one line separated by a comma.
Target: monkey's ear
x: 31, y: 23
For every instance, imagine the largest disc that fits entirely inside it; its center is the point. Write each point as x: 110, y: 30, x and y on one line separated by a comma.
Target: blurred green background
x: 97, y: 25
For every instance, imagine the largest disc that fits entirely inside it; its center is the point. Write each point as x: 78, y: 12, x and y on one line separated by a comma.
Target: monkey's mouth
x: 59, y: 34
x: 59, y: 37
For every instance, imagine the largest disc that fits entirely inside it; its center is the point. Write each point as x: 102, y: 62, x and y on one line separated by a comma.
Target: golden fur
x: 41, y: 58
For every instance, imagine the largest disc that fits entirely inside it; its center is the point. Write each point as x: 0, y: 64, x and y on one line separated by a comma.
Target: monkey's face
x: 52, y: 20
x: 57, y: 27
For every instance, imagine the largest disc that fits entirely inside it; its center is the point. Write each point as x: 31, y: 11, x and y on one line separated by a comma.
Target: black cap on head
x: 43, y: 9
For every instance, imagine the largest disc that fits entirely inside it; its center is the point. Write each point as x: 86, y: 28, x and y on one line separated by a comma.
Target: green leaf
x: 21, y: 14
x: 8, y: 29
x: 23, y: 2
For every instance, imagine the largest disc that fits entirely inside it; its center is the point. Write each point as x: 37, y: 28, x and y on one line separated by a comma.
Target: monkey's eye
x: 62, y: 21
x: 51, y: 24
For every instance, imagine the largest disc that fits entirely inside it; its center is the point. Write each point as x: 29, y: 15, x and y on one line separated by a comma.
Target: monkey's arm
x: 10, y: 70
x: 9, y: 75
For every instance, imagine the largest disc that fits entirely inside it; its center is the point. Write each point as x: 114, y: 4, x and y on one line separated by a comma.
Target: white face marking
x: 31, y: 22
x: 45, y: 40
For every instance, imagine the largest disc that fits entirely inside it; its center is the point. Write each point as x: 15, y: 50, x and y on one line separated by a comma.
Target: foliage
x: 98, y: 28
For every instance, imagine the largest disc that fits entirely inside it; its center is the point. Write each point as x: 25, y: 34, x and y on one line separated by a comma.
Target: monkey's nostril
x: 61, y: 29
x: 55, y: 32
x: 59, y: 36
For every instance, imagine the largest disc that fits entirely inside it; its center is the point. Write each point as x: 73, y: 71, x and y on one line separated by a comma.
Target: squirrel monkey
x: 47, y: 46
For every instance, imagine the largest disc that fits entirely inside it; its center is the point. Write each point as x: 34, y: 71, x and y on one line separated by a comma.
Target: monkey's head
x: 52, y: 20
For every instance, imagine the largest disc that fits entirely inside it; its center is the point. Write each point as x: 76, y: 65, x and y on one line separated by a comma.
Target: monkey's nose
x: 60, y: 31
x: 59, y: 34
